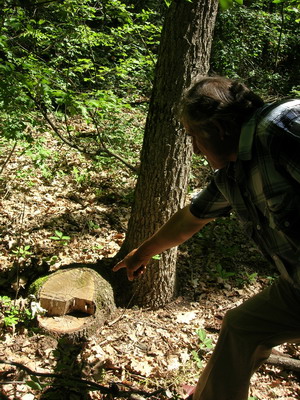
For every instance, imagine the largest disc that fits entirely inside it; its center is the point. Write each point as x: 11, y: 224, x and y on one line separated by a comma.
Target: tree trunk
x: 165, y: 160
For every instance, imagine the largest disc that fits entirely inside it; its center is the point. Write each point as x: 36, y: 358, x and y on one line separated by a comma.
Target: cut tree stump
x: 77, y: 302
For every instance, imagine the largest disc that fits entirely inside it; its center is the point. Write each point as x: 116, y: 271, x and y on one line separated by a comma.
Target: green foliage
x: 249, y: 278
x: 64, y: 47
x: 35, y: 383
x: 222, y: 274
x: 86, y: 58
x: 12, y: 314
x: 205, y: 341
x: 61, y: 238
x: 42, y: 158
x: 80, y: 176
x: 39, y: 154
x: 259, y: 43
x: 225, y: 4
x: 51, y: 260
x: 22, y: 251
x: 36, y: 285
x: 197, y: 359
x: 95, y: 59
x: 205, y: 344
x: 93, y: 226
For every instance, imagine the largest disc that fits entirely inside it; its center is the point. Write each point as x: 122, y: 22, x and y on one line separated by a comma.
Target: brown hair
x: 218, y: 103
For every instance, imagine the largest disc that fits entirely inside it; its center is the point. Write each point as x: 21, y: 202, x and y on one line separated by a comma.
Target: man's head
x: 213, y: 111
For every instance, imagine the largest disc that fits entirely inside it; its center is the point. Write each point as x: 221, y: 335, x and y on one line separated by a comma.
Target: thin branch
x: 74, y: 145
x: 109, y: 152
x: 57, y: 131
x: 8, y: 157
x: 280, y: 37
x: 101, y: 388
x: 38, y: 3
x: 113, y: 389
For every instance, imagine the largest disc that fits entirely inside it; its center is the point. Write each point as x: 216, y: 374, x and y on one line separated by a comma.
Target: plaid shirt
x: 263, y: 186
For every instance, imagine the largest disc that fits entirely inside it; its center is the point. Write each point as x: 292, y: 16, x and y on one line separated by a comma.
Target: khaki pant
x: 248, y: 334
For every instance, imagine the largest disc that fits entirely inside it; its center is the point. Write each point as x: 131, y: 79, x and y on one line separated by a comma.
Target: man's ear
x: 221, y: 132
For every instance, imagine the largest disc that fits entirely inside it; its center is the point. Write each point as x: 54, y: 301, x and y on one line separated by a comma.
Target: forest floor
x: 52, y: 191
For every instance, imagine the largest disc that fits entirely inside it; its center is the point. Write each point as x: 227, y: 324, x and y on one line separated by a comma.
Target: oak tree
x: 166, y: 153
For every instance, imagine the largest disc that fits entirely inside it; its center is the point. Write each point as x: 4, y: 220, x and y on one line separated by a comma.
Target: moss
x: 36, y: 285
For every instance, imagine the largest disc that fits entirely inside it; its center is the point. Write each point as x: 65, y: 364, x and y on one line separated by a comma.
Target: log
x: 284, y: 362
x: 77, y: 302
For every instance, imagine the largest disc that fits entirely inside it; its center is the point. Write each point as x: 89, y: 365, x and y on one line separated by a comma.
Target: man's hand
x: 135, y: 266
x: 180, y: 227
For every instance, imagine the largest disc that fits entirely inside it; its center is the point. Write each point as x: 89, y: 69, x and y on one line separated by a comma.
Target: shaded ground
x: 85, y: 207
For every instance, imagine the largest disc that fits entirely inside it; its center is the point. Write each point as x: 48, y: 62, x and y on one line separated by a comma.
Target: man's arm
x: 180, y: 227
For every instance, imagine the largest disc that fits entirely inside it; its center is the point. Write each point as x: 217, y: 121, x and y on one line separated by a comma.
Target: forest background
x: 75, y: 83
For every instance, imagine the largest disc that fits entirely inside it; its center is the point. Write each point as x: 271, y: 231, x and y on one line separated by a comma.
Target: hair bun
x: 243, y: 98
x: 221, y: 100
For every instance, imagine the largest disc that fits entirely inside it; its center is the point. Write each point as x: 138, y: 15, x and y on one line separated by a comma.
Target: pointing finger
x: 119, y: 265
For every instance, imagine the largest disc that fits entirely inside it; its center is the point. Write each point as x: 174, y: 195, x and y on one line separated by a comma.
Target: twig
x: 74, y: 145
x: 38, y: 3
x: 109, y: 152
x: 112, y: 154
x: 114, y: 321
x: 57, y: 132
x: 8, y: 158
x: 113, y: 389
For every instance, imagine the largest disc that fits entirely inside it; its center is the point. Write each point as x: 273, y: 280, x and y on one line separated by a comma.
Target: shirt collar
x: 246, y: 139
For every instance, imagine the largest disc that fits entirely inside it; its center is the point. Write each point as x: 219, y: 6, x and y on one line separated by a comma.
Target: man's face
x: 203, y: 145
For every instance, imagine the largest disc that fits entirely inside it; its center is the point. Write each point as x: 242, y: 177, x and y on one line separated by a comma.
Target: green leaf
x: 225, y: 4
x: 34, y: 385
x: 201, y: 334
x: 10, y: 320
x: 197, y: 359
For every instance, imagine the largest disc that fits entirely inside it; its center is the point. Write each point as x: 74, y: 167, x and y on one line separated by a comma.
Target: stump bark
x: 77, y: 302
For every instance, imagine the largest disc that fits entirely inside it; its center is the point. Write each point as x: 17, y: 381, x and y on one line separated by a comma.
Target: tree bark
x: 166, y: 154
x: 284, y: 362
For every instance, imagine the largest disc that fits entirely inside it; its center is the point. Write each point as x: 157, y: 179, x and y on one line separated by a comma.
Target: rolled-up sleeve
x: 209, y: 203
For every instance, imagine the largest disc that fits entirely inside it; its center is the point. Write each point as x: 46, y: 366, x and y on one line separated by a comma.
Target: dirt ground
x: 138, y: 351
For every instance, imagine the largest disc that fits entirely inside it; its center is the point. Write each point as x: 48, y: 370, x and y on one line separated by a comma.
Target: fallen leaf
x: 186, y: 317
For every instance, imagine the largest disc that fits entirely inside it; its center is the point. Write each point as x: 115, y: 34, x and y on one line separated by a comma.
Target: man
x: 254, y: 149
